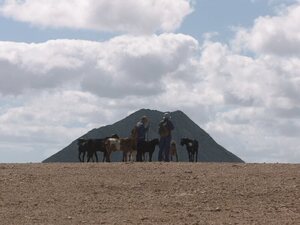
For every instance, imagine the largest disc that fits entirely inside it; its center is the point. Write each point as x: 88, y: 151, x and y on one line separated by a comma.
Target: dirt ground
x: 149, y: 193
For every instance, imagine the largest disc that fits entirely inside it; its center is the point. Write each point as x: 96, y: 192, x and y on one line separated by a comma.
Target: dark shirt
x: 141, y: 131
x: 168, y: 125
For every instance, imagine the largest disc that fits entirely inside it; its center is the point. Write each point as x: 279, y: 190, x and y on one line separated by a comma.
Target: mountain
x: 209, y: 150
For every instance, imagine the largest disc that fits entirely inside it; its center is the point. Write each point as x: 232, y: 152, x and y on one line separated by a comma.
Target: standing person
x: 142, y: 128
x: 165, y: 128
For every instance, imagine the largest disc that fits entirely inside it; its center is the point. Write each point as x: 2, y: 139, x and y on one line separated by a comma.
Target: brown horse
x: 126, y: 145
x: 91, y: 147
x: 173, y: 151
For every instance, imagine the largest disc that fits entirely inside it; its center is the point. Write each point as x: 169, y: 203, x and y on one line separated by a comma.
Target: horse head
x: 115, y: 136
x: 155, y: 141
x: 184, y: 141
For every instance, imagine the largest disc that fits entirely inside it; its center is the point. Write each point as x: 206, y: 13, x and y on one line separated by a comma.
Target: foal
x: 173, y: 151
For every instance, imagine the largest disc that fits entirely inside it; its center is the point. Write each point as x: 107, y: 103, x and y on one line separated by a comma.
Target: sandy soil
x: 149, y: 193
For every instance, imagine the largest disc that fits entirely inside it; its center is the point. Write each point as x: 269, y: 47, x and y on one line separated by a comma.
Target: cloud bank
x: 277, y: 35
x: 123, y: 66
x: 245, y: 94
x: 143, y: 16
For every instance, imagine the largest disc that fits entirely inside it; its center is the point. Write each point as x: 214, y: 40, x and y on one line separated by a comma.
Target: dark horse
x: 91, y: 147
x: 82, y: 148
x: 191, y: 147
x: 149, y: 146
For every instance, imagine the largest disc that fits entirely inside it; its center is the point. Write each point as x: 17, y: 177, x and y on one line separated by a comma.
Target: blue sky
x: 220, y: 16
x: 232, y: 66
x: 209, y: 16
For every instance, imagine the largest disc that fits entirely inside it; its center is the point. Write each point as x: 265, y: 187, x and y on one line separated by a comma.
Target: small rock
x: 218, y: 209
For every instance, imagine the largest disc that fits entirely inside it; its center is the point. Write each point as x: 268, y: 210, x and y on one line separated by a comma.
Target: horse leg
x: 143, y: 157
x: 90, y: 156
x: 129, y: 156
x: 96, y: 156
x: 150, y: 156
x: 125, y: 156
x: 108, y: 156
x: 176, y: 157
x: 87, y: 157
x: 79, y: 156
x: 134, y: 155
x: 83, y: 156
x: 197, y: 155
x: 104, y: 156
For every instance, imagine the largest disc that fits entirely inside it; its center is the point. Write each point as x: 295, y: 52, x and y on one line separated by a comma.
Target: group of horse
x: 89, y: 147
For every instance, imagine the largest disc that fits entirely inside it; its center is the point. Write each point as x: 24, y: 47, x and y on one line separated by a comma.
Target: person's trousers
x: 164, y: 149
x: 139, y: 148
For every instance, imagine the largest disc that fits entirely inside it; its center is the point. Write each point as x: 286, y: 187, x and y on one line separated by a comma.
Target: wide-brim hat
x: 144, y: 118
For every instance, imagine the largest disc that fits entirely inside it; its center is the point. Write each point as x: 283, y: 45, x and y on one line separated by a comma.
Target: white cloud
x: 143, y: 16
x: 44, y: 122
x: 57, y: 89
x: 278, y: 35
x: 258, y: 116
x: 123, y: 66
x: 248, y: 102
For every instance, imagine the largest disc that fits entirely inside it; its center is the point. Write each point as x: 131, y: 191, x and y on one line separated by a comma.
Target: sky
x: 232, y: 66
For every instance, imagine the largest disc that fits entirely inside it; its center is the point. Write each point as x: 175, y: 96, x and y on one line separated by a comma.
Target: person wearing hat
x: 142, y: 128
x: 165, y: 129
